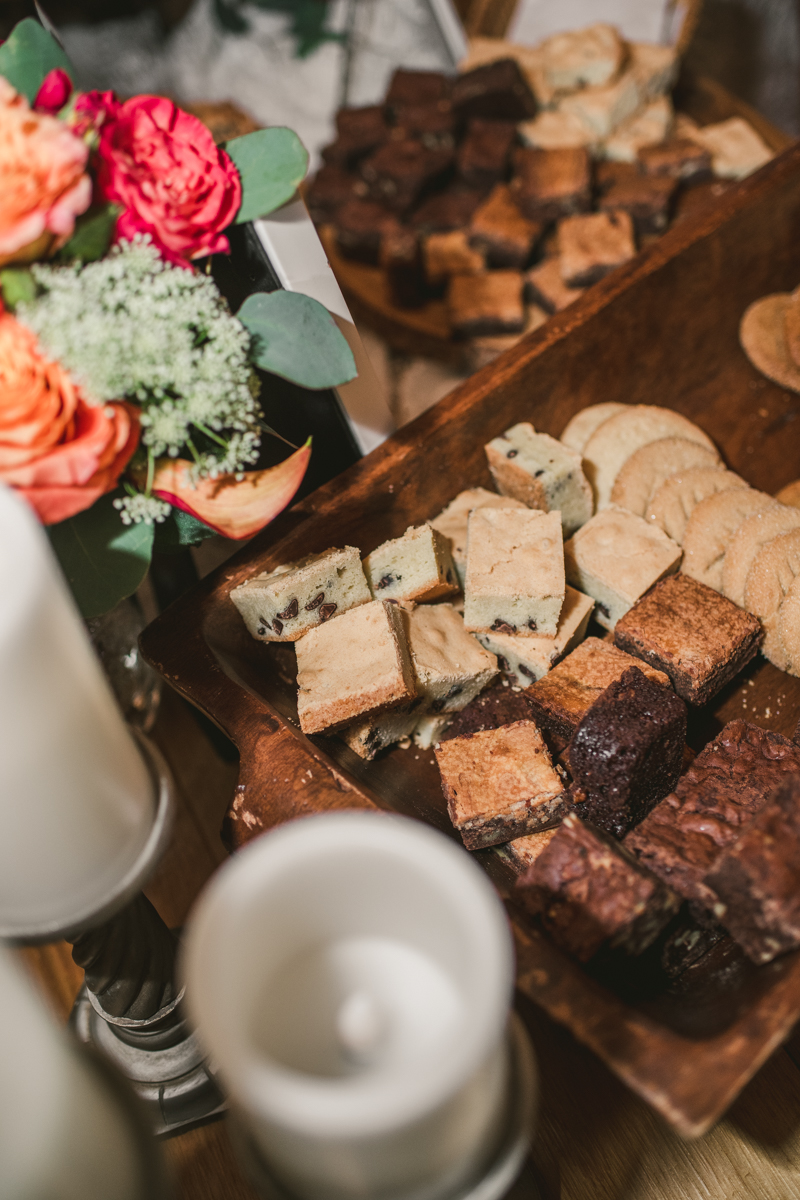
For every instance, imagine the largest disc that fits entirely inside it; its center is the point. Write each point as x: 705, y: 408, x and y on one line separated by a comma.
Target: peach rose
x: 44, y: 183
x: 61, y: 453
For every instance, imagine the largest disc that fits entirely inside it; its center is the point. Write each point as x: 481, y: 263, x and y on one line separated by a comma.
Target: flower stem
x: 151, y: 470
x: 210, y: 434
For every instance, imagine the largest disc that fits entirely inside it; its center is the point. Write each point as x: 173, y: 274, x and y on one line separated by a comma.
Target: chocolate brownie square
x: 399, y: 171
x: 495, y: 706
x: 484, y: 155
x: 330, y: 188
x: 627, y: 752
x: 401, y: 259
x: 544, y: 286
x: 500, y: 784
x: 608, y: 172
x: 646, y: 198
x: 447, y: 210
x: 481, y: 305
x: 433, y: 124
x: 692, y: 633
x: 678, y: 158
x: 757, y: 879
x: 417, y: 87
x: 591, y: 894
x: 500, y: 231
x: 359, y: 132
x: 559, y: 701
x: 449, y: 253
x: 360, y: 226
x: 496, y: 90
x: 592, y: 245
x: 549, y: 184
x: 726, y: 785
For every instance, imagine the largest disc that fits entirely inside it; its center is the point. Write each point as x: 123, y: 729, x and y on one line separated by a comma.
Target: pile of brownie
x: 435, y: 187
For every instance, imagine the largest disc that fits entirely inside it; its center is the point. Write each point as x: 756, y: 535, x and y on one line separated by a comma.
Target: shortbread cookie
x: 615, y: 558
x: 790, y: 494
x: 450, y: 666
x: 524, y: 659
x: 735, y: 147
x: 542, y: 473
x: 791, y: 327
x: 515, y: 571
x: 647, y: 468
x: 588, y: 421
x: 452, y: 521
x: 789, y: 628
x: 622, y: 435
x: 417, y: 566
x: 771, y: 574
x: 711, y: 527
x: 284, y: 604
x: 673, y: 503
x: 368, y: 737
x: 353, y: 668
x: 500, y: 784
x: 745, y: 544
x: 762, y: 333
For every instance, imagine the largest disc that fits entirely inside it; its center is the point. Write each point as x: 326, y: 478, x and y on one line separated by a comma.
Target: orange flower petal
x: 234, y: 509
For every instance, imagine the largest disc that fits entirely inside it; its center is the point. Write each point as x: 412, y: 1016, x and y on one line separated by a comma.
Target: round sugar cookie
x: 746, y: 542
x: 647, y: 468
x: 791, y: 327
x: 712, y: 525
x: 620, y: 436
x: 789, y: 627
x: 678, y: 497
x: 790, y: 494
x: 772, y: 572
x: 583, y: 424
x: 762, y: 334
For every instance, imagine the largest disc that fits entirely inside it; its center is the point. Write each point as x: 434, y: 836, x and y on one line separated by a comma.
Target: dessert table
x: 594, y: 1137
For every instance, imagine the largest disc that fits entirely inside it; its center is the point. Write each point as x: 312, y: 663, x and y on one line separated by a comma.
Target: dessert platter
x: 359, y: 658
x: 461, y: 212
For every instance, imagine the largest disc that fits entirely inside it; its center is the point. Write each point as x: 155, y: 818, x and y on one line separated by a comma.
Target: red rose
x: 162, y: 166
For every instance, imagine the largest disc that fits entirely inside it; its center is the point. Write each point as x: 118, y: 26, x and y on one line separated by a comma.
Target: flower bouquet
x: 129, y: 414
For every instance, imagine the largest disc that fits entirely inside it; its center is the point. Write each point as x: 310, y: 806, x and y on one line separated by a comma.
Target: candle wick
x: 360, y: 1027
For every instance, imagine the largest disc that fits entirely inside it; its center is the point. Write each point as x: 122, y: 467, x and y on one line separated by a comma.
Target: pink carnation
x: 45, y: 186
x: 161, y: 165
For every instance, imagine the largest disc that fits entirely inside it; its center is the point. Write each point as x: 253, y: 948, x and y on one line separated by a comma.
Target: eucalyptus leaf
x: 297, y: 338
x: 28, y: 55
x: 92, y: 236
x: 271, y: 163
x: 180, y: 529
x: 104, y: 561
x: 17, y: 285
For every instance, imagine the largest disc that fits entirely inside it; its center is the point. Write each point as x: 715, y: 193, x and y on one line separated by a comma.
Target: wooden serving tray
x: 662, y: 330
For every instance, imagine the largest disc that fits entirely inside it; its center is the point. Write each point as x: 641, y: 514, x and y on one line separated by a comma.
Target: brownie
x: 416, y: 87
x: 449, y: 253
x: 359, y: 132
x: 591, y: 894
x: 482, y: 305
x: 562, y: 697
x: 757, y: 879
x: 496, y: 90
x: 330, y: 188
x: 726, y: 785
x: 494, y: 707
x: 433, y: 123
x: 627, y: 752
x: 549, y: 184
x: 687, y: 944
x: 484, y: 155
x: 646, y: 198
x: 678, y: 158
x: 500, y: 784
x: 447, y: 210
x: 399, y: 171
x: 500, y: 231
x: 593, y: 244
x: 692, y: 633
x: 401, y: 259
x: 360, y: 227
x: 544, y: 286
x: 607, y: 173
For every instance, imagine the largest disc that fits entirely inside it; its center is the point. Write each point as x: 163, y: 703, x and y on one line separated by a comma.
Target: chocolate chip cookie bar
x: 515, y: 571
x: 449, y: 664
x: 541, y: 472
x: 524, y: 659
x: 416, y: 566
x: 453, y: 520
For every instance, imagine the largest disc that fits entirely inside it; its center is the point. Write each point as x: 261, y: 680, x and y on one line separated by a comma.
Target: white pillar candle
x: 351, y: 976
x: 76, y: 799
x: 61, y: 1133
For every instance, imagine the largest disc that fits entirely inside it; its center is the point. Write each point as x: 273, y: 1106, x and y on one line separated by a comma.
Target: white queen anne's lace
x: 133, y: 327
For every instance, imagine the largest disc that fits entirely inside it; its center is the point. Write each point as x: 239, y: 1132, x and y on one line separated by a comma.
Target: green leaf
x: 92, y: 236
x: 104, y: 561
x: 297, y: 338
x: 17, y: 285
x: 229, y: 18
x: 180, y: 529
x: 28, y: 55
x: 271, y: 163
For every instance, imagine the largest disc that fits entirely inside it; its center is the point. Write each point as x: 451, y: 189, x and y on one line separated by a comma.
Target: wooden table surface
x: 594, y: 1139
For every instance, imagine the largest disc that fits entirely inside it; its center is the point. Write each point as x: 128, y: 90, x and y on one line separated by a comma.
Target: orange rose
x: 44, y: 181
x: 61, y: 453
